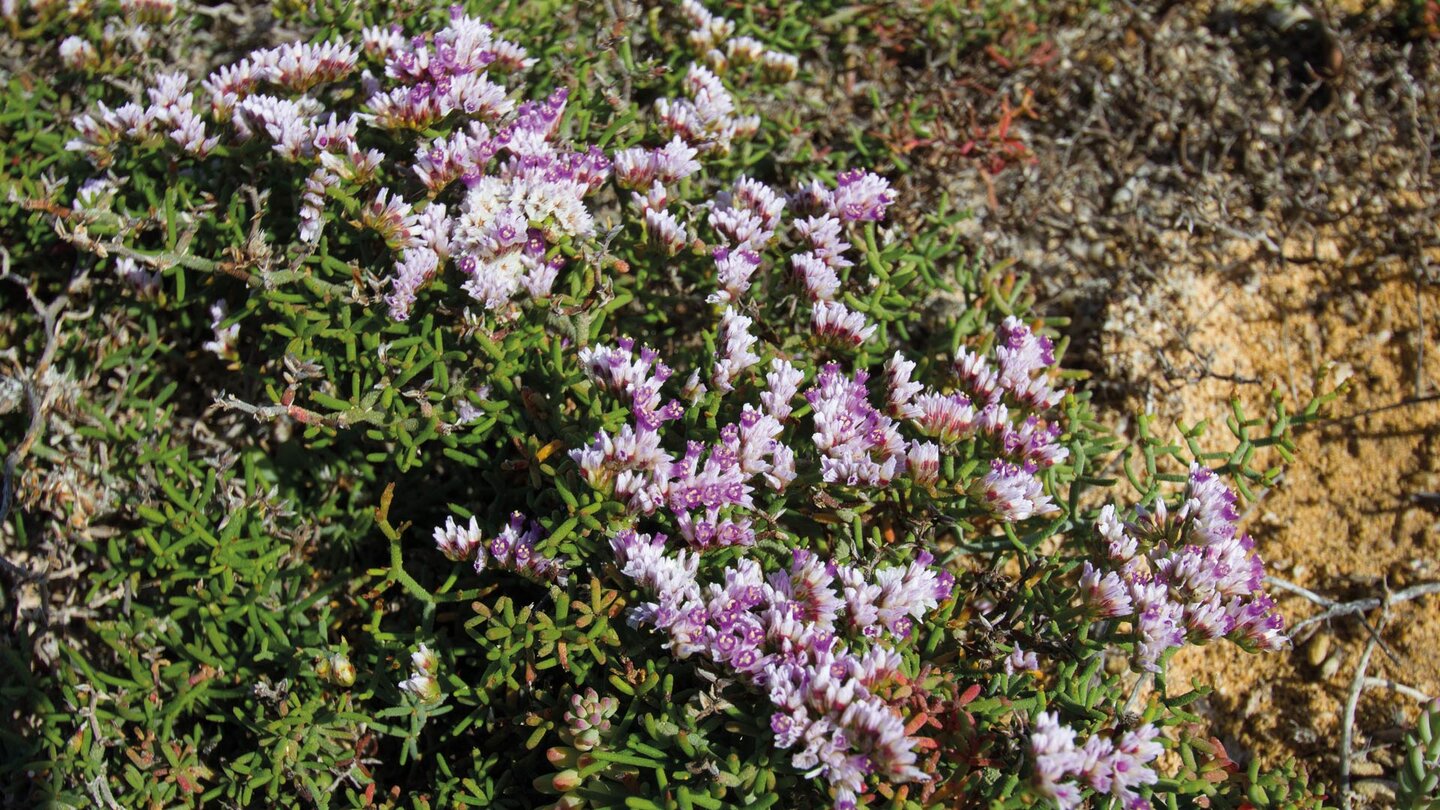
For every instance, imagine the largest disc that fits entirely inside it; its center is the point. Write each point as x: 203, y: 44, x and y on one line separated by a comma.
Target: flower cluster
x: 857, y: 443
x: 448, y: 74
x: 707, y: 117
x: 711, y: 35
x: 170, y: 114
x: 512, y: 550
x: 1187, y: 576
x: 1108, y: 766
x: 858, y: 196
x: 709, y: 489
x: 524, y: 191
x: 785, y: 634
x: 735, y: 349
x: 818, y: 268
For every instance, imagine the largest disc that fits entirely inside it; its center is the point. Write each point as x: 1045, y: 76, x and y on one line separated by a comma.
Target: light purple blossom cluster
x: 709, y: 488
x: 834, y: 323
x: 707, y: 118
x: 294, y: 67
x: 858, y: 196
x: 1190, y: 576
x: 858, y: 444
x: 653, y: 171
x: 513, y: 549
x: 1001, y: 402
x: 784, y: 635
x: 747, y: 215
x: 525, y: 192
x: 448, y: 74
x: 170, y: 114
x: 1013, y: 492
x: 510, y: 219
x: 1018, y: 381
x: 710, y: 34
x: 1115, y: 766
x: 638, y: 378
x: 638, y: 168
x: 818, y: 268
x: 735, y: 355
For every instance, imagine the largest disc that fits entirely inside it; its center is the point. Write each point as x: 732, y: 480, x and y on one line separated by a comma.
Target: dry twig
x: 1347, y: 727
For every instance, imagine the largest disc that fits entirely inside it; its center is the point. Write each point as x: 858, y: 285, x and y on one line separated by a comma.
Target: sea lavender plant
x: 844, y: 557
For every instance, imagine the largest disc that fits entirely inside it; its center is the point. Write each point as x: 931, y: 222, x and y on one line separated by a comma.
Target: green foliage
x: 1419, y: 786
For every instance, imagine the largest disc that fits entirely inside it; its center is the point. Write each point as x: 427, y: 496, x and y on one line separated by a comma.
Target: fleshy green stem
x: 397, y: 571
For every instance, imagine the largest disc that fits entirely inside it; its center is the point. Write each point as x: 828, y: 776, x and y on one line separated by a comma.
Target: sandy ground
x: 1345, y: 521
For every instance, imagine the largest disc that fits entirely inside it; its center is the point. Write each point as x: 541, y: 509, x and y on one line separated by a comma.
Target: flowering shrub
x: 716, y: 521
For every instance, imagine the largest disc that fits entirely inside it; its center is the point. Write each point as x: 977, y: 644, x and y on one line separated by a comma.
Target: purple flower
x: 514, y: 550
x: 733, y: 269
x: 1100, y: 764
x: 460, y: 542
x: 674, y: 161
x: 735, y: 355
x: 707, y: 119
x: 949, y: 418
x: 1211, y: 507
x: 1022, y: 355
x: 861, y: 196
x: 1256, y: 622
x: 665, y: 230
x: 778, y: 636
x: 816, y: 277
x: 857, y: 443
x: 923, y: 461
x: 1160, y: 627
x: 900, y: 389
x: 979, y: 376
x: 1014, y: 493
x: 833, y: 322
x: 1106, y: 594
x: 747, y: 215
x: 1120, y: 545
x: 783, y: 381
x: 416, y: 266
x: 827, y: 244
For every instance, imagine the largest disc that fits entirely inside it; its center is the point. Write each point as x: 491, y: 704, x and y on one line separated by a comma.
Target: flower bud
x: 566, y: 781
x: 424, y: 687
x: 342, y: 671
x: 425, y: 660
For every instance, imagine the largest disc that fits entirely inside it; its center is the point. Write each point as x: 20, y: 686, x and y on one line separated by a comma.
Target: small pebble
x: 1331, y: 665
